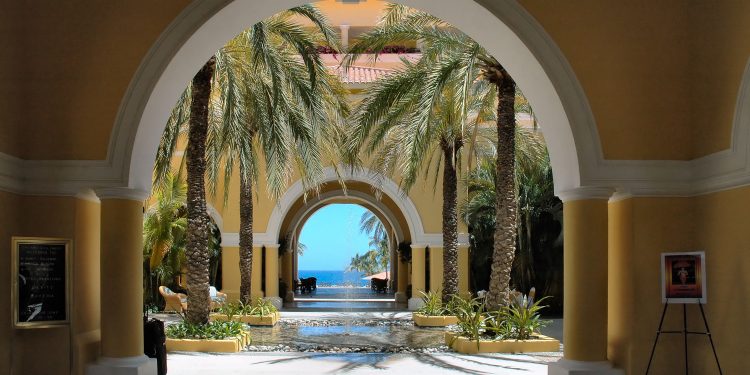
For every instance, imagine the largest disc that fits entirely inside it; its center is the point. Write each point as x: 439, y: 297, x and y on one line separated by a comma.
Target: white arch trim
x: 356, y: 197
x: 202, y: 28
x: 386, y: 185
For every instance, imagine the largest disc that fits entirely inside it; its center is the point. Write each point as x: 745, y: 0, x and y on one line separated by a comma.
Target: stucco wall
x: 643, y: 228
x: 53, y: 217
x: 65, y: 69
x: 661, y: 77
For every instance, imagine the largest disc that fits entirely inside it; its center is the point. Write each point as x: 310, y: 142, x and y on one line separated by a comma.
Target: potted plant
x: 511, y: 329
x: 259, y: 313
x: 433, y: 313
x: 218, y: 336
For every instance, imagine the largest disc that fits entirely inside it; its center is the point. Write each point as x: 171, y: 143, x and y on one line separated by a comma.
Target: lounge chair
x: 175, y: 301
x: 178, y: 301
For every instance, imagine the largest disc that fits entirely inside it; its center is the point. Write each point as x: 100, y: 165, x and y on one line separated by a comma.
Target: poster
x: 41, y: 282
x: 683, y: 277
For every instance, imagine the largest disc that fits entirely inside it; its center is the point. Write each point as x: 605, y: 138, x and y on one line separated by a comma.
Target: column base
x: 275, y: 301
x: 570, y: 367
x: 140, y: 365
x: 415, y: 303
x: 400, y: 297
x: 289, y: 296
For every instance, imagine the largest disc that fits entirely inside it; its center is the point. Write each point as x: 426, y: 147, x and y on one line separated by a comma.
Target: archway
x: 504, y: 28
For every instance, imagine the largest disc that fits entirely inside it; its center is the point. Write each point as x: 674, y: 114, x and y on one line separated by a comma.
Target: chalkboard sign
x: 41, y: 282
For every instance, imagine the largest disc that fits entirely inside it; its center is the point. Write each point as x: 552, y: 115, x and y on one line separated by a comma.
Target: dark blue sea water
x: 336, y: 278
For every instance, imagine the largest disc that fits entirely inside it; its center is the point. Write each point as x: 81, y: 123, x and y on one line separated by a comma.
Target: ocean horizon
x: 328, y: 278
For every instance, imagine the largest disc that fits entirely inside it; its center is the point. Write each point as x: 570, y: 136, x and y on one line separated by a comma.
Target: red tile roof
x: 360, y: 74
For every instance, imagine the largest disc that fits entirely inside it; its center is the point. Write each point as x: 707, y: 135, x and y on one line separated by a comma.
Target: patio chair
x: 175, y: 301
x: 217, y: 298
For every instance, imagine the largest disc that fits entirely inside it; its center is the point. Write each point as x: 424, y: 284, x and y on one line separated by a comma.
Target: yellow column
x: 417, y: 275
x: 122, y: 283
x: 436, y: 269
x: 272, y: 270
x: 621, y: 296
x: 585, y: 284
x: 286, y: 274
x: 230, y: 272
x: 403, y: 279
x: 463, y: 270
x: 256, y: 277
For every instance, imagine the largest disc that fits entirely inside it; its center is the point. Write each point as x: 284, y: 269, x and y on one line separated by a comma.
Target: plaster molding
x: 313, y: 204
x: 122, y: 193
x: 387, y: 186
x: 585, y: 193
x: 259, y: 240
x: 620, y: 196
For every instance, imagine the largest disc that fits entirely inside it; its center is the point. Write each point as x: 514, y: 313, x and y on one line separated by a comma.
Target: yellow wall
x: 640, y: 229
x: 9, y: 211
x: 65, y: 69
x: 722, y: 232
x: 661, y: 77
x: 53, y: 217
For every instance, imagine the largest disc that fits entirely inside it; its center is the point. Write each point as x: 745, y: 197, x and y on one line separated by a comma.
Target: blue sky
x: 332, y: 238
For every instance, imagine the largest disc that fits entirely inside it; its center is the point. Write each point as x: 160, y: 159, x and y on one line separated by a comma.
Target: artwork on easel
x: 683, y: 277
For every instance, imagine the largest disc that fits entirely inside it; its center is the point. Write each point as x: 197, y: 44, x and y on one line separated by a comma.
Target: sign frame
x: 17, y: 242
x: 683, y: 277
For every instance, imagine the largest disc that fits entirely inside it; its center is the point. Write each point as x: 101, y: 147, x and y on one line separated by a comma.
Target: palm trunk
x: 246, y: 238
x: 196, y: 250
x: 505, y: 190
x: 450, y: 222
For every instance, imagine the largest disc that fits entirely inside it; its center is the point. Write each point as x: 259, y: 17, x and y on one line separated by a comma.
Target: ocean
x: 336, y: 278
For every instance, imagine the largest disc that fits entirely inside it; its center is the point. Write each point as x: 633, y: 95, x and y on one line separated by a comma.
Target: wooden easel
x: 685, y: 334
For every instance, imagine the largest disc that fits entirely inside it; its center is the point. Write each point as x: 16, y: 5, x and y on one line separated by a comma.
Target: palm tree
x: 458, y: 54
x: 275, y: 96
x: 536, y: 199
x: 371, y: 225
x: 164, y: 227
x: 196, y: 250
x: 271, y: 93
x: 413, y: 120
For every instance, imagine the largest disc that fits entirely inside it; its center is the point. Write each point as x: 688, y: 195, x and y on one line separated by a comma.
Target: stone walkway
x: 418, y: 363
x: 352, y: 363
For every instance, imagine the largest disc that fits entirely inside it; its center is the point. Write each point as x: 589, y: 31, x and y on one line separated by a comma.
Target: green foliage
x: 212, y: 330
x: 259, y: 307
x: 522, y: 318
x: 432, y: 304
x: 378, y: 257
x: 519, y: 320
x: 471, y: 320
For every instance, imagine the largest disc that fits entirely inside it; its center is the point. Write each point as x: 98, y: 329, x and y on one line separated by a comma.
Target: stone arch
x: 387, y: 187
x: 503, y: 27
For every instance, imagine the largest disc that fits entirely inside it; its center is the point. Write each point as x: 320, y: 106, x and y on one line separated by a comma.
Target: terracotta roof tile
x: 360, y: 74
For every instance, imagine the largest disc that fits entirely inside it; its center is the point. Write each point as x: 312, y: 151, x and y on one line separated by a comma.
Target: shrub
x: 433, y: 304
x: 211, y: 330
x: 471, y: 321
x: 517, y: 321
x: 522, y: 318
x: 258, y: 308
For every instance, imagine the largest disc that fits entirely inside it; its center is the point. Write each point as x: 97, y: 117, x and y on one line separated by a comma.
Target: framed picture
x: 683, y: 277
x: 41, y: 282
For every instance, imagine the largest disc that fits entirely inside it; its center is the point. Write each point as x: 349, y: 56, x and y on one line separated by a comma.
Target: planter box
x: 539, y: 344
x: 434, y: 321
x: 229, y: 345
x: 253, y: 320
